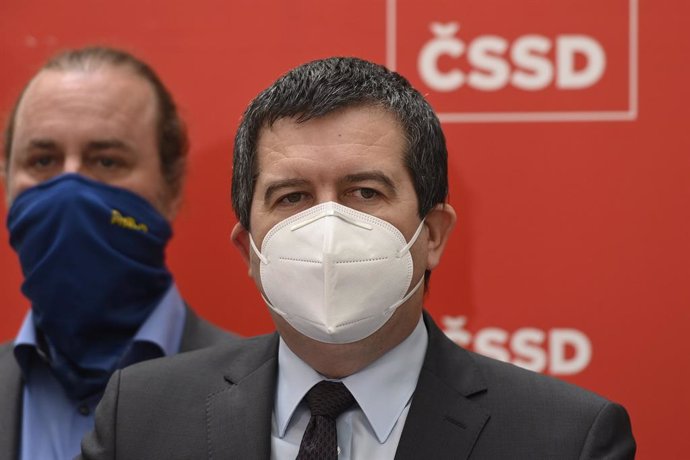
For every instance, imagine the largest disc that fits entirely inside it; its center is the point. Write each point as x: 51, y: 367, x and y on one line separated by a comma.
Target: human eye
x: 291, y: 198
x: 369, y: 188
x: 107, y: 162
x: 43, y: 161
x: 368, y: 193
x: 365, y: 194
x: 365, y: 198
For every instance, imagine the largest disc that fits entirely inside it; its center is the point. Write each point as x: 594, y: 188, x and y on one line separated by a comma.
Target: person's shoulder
x: 501, y: 382
x: 232, y: 355
x: 162, y: 405
x: 551, y: 413
x: 523, y: 386
x: 7, y: 351
x: 6, y: 347
x: 200, y: 333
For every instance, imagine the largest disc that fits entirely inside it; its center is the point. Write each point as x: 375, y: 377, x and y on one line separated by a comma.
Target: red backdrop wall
x: 567, y: 123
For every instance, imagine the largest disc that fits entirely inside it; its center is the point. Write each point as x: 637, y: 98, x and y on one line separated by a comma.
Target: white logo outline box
x: 527, y: 117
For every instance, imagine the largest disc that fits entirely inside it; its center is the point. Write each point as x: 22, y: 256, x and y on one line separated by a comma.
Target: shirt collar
x: 382, y: 389
x: 163, y: 329
x: 165, y: 324
x: 27, y: 332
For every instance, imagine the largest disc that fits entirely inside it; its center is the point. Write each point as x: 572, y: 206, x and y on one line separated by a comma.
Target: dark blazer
x: 217, y: 403
x: 197, y: 334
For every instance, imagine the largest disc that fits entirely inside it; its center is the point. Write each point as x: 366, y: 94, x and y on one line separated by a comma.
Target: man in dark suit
x: 93, y: 164
x: 340, y: 187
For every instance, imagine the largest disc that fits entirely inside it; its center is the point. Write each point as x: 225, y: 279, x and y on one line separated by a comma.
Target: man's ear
x: 3, y: 170
x: 3, y: 180
x: 173, y: 207
x: 439, y: 222
x: 177, y: 203
x: 240, y: 239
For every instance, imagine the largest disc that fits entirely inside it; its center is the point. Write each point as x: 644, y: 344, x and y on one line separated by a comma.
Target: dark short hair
x: 173, y: 143
x: 320, y: 87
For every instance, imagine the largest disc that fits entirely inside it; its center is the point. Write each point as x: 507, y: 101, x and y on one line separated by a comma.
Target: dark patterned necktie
x: 326, y: 401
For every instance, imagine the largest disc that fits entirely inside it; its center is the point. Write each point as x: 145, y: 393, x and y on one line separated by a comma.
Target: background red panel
x: 578, y: 225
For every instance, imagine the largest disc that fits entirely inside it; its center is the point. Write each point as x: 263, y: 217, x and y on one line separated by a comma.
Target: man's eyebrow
x: 375, y: 176
x: 276, y: 186
x: 105, y: 144
x: 43, y: 144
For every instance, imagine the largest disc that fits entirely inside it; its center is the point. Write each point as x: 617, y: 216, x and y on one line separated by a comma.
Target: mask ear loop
x: 406, y: 248
x: 412, y: 240
x: 395, y: 306
x: 261, y: 257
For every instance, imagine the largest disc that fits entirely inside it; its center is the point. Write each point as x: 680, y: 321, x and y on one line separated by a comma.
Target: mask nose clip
x: 350, y: 220
x: 332, y: 212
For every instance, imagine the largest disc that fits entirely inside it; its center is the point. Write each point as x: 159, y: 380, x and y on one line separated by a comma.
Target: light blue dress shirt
x: 383, y: 391
x: 53, y: 424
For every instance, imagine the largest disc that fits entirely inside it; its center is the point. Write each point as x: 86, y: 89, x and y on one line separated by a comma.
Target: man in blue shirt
x: 94, y: 162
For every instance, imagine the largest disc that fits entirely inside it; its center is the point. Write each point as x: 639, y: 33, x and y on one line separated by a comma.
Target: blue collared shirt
x: 383, y: 391
x: 52, y: 423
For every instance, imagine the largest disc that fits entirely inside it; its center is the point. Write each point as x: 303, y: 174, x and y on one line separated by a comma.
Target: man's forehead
x: 323, y: 113
x: 55, y: 95
x: 68, y: 82
x: 368, y: 124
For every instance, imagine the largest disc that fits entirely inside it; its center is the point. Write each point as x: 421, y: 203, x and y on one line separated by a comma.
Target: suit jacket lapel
x: 239, y: 416
x: 443, y: 422
x: 10, y: 402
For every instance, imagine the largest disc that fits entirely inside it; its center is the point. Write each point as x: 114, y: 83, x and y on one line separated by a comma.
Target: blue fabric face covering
x: 93, y: 258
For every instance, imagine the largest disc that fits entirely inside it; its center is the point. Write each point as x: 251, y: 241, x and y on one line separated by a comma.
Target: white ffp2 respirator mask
x: 336, y: 274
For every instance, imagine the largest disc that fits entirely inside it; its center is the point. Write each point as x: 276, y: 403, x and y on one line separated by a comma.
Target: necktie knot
x: 329, y: 399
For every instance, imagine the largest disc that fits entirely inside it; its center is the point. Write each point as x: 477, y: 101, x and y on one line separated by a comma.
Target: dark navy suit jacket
x: 217, y: 404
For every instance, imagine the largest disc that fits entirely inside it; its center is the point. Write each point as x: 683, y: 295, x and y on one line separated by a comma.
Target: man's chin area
x: 338, y: 360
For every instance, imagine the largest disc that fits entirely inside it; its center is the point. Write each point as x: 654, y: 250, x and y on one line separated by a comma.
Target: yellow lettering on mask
x: 116, y: 218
